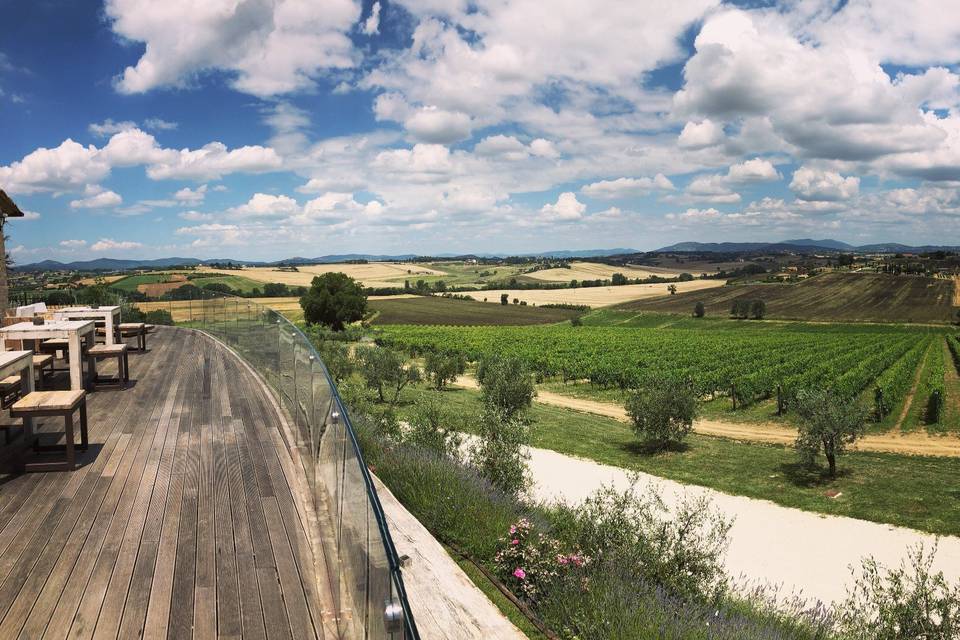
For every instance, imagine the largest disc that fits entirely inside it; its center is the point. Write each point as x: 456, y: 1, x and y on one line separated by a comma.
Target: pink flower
x: 514, y: 542
x: 513, y: 529
x: 519, y: 573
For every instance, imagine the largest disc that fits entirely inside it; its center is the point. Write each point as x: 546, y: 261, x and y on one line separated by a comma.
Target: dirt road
x: 915, y: 443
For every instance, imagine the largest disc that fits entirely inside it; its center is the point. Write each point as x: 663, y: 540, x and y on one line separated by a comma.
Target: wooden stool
x: 52, y: 346
x: 103, y: 351
x: 138, y: 329
x: 9, y: 391
x: 41, y: 363
x: 55, y: 403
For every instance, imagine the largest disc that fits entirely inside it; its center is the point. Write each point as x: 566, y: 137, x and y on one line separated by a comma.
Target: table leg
x: 76, y: 362
x: 26, y: 386
x: 109, y: 329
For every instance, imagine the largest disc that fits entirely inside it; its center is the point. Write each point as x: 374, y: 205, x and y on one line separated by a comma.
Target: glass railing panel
x: 354, y: 542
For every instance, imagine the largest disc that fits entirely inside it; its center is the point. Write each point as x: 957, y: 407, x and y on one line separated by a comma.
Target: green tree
x: 387, y: 372
x: 829, y: 424
x: 500, y: 453
x: 758, y: 309
x: 336, y: 357
x: 699, y: 310
x: 334, y: 299
x: 443, y: 368
x: 276, y: 290
x: 663, y: 412
x: 618, y: 279
x: 506, y: 386
x: 436, y: 427
x: 686, y: 277
x: 504, y: 299
x: 672, y: 289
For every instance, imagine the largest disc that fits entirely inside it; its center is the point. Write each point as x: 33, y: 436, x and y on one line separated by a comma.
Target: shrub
x: 904, y: 603
x: 499, y: 453
x: 443, y: 368
x: 506, y: 386
x: 699, y: 310
x: 662, y: 413
x: 334, y: 299
x: 758, y: 309
x: 829, y: 424
x: 435, y: 428
x: 576, y: 322
x: 529, y: 562
x: 681, y: 551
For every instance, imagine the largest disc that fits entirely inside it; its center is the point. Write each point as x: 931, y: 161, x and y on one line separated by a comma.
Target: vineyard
x: 745, y: 365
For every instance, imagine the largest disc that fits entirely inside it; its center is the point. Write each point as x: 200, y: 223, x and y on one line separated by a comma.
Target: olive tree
x: 500, y: 452
x: 663, y: 412
x: 436, y: 427
x: 699, y: 310
x: 387, y: 372
x: 506, y: 386
x: 443, y: 368
x: 829, y: 424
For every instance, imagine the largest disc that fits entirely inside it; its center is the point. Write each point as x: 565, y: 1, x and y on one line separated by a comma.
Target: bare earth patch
x: 593, y: 296
x: 597, y: 271
x: 372, y: 274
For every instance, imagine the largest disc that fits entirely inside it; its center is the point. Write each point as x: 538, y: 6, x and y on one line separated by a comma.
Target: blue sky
x: 264, y: 129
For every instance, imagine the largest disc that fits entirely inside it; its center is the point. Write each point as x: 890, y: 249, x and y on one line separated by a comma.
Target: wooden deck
x: 181, y: 523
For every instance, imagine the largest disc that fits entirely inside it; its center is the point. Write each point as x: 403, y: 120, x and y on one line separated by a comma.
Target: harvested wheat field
x: 371, y: 274
x: 597, y: 271
x: 592, y: 296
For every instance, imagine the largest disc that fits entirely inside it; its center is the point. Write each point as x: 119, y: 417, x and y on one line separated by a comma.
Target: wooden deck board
x: 180, y: 523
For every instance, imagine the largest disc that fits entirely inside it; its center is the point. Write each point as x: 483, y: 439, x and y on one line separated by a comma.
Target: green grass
x: 910, y: 491
x: 238, y: 283
x: 130, y: 283
x: 449, y: 311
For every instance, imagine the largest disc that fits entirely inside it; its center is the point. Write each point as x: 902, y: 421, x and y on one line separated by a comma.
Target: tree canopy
x: 334, y: 299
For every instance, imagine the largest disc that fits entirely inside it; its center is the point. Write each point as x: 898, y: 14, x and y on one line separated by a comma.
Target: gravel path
x: 803, y: 553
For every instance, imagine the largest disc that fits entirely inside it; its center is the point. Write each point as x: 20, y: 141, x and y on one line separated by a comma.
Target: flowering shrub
x: 528, y: 560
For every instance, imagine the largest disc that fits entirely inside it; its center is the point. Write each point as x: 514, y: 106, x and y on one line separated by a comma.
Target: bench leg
x: 92, y: 373
x: 68, y: 437
x: 84, y: 440
x: 126, y: 367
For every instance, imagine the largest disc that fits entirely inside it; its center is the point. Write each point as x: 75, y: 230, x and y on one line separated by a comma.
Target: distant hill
x: 111, y: 264
x: 805, y: 244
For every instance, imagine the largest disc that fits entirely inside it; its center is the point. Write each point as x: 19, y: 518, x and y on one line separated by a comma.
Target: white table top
x: 103, y: 308
x: 55, y: 329
x: 13, y: 360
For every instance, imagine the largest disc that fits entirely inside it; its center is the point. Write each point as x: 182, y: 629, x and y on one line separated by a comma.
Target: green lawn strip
x: 130, y: 283
x: 910, y: 491
x: 490, y: 590
x: 237, y: 283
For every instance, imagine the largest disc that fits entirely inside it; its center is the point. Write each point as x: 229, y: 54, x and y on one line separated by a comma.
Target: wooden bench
x: 9, y: 391
x: 102, y: 352
x: 41, y: 363
x: 138, y: 329
x: 55, y: 403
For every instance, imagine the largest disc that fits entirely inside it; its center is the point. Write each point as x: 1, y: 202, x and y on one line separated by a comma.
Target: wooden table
x: 110, y: 316
x: 19, y: 363
x: 75, y: 331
